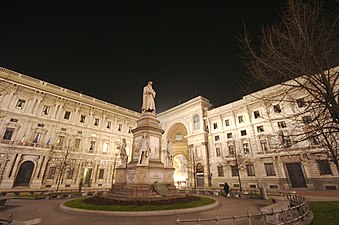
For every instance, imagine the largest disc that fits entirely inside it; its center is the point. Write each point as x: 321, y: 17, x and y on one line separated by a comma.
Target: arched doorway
x: 23, y: 177
x: 181, y: 160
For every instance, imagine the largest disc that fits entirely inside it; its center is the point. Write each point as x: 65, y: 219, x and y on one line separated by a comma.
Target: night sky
x: 111, y: 49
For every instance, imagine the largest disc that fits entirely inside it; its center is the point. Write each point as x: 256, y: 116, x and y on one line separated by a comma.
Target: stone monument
x: 145, y: 175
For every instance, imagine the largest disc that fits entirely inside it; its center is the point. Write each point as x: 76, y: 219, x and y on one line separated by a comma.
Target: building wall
x: 50, y: 130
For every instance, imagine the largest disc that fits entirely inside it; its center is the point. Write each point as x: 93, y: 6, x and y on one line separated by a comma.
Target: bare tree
x: 300, y: 54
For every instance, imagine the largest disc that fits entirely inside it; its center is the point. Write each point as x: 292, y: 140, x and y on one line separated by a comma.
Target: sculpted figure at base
x: 144, y: 150
x: 169, y: 153
x: 123, y: 153
x: 148, y: 100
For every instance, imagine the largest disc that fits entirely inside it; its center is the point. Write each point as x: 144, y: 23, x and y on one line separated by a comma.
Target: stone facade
x: 54, y: 138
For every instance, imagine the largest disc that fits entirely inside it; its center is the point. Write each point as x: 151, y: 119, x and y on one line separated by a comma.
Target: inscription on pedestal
x: 131, y: 176
x: 156, y: 176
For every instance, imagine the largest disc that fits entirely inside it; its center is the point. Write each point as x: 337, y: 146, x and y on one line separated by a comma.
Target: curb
x: 141, y: 213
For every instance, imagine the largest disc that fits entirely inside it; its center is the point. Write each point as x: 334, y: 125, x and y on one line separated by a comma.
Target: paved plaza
x: 51, y: 214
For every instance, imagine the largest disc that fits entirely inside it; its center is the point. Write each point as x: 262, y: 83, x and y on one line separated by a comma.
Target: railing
x: 296, y: 209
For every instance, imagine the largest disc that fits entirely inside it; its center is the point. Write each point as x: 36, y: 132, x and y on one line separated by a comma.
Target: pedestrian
x: 226, y: 189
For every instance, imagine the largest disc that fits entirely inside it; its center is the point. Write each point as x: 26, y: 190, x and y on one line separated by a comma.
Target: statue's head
x: 150, y: 82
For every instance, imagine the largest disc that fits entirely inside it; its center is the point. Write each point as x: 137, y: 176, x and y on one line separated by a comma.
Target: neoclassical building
x: 52, y: 138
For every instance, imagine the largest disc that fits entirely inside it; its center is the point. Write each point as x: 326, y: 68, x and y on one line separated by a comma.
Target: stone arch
x: 24, y: 175
x: 177, y: 135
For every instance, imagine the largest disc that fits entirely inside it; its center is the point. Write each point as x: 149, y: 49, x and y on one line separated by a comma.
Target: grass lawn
x: 78, y: 203
x: 325, y: 213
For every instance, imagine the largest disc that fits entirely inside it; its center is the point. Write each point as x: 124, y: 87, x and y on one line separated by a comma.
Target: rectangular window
x: 277, y: 108
x: 215, y: 126
x: 286, y: 141
x: 67, y: 115
x: 216, y: 138
x: 82, y: 118
x: 96, y: 122
x: 263, y: 145
x: 120, y: 127
x: 301, y: 102
x: 70, y: 172
x: 250, y: 170
x: 92, y: 146
x: 41, y: 125
x: 129, y: 130
x: 37, y: 137
x: 105, y: 148
x: 269, y: 168
x: 246, y: 148
x: 227, y: 122
x: 45, y: 110
x: 243, y: 133
x: 229, y: 135
x: 240, y: 119
x: 109, y: 124
x: 77, y: 143
x: 60, y: 141
x: 51, y: 172
x: 324, y: 167
x: 220, y: 171
x: 20, y: 104
x: 101, y: 174
x: 8, y: 134
x: 12, y: 120
x: 218, y: 151
x: 256, y: 114
x: 231, y: 150
x: 282, y: 124
x: 260, y: 129
x: 234, y: 171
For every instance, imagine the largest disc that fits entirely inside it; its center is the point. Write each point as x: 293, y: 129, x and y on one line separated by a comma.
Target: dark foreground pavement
x: 51, y: 214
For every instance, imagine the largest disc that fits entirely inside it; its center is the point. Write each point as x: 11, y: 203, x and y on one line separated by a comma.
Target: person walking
x: 226, y: 189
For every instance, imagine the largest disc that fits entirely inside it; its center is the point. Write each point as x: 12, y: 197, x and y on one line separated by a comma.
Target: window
x: 314, y: 139
x: 215, y: 126
x: 37, y: 137
x: 101, y: 174
x: 301, y: 102
x: 178, y: 137
x: 77, y: 143
x: 8, y: 134
x: 120, y: 127
x: 250, y: 170
x: 216, y: 138
x: 227, y: 122
x: 109, y: 124
x: 260, y: 129
x: 269, y: 168
x: 218, y: 151
x: 82, y: 118
x: 70, y: 172
x: 246, y: 148
x: 67, y: 115
x: 96, y: 122
x: 92, y: 146
x: 129, y: 130
x: 285, y: 140
x: 231, y: 150
x: 277, y: 108
x: 324, y: 167
x: 256, y: 114
x: 20, y: 104
x: 51, y: 172
x: 12, y: 120
x: 307, y: 119
x: 243, y: 133
x: 229, y: 135
x: 240, y: 119
x: 105, y: 148
x: 220, y: 171
x: 60, y: 141
x: 263, y: 145
x: 45, y: 110
x: 41, y: 125
x: 196, y: 122
x: 234, y: 171
x: 282, y: 124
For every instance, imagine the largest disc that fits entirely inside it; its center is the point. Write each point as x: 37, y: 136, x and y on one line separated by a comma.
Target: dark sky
x: 111, y: 49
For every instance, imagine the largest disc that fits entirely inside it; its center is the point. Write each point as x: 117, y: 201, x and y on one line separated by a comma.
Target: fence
x: 294, y: 208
